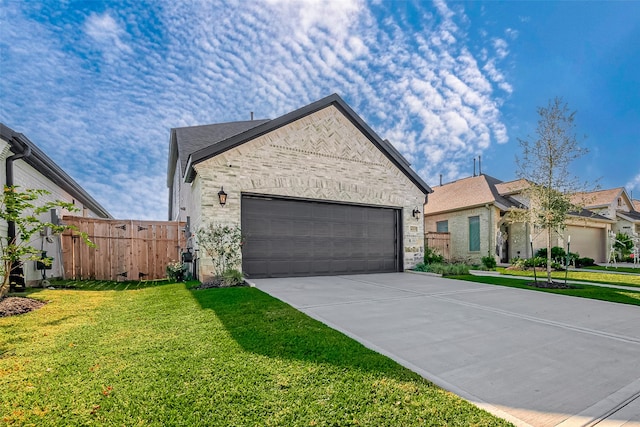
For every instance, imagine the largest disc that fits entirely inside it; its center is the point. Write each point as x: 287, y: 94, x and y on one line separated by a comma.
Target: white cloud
x: 501, y: 47
x: 512, y: 33
x: 634, y: 184
x: 108, y: 114
x: 107, y: 33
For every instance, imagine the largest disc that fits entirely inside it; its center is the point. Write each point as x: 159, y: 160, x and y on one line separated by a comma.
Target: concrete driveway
x: 530, y: 357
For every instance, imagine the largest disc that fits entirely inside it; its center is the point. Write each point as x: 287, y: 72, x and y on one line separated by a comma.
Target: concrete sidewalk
x: 531, y: 357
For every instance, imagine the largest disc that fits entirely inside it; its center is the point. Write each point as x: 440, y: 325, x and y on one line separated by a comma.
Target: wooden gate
x: 126, y: 249
x: 439, y: 242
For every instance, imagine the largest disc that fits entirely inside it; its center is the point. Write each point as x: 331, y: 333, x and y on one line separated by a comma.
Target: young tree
x: 223, y: 244
x: 21, y: 212
x: 545, y: 163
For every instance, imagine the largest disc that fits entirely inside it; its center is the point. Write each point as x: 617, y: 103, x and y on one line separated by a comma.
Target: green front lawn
x: 583, y: 291
x: 584, y: 276
x: 164, y: 355
x: 618, y: 269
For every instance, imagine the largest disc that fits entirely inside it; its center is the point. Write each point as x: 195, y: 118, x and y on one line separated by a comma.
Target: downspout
x: 16, y: 274
x: 11, y: 226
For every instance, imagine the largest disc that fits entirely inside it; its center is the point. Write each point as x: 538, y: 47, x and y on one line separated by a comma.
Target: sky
x: 98, y: 85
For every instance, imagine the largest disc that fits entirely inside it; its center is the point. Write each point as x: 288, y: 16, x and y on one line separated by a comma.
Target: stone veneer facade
x: 321, y: 156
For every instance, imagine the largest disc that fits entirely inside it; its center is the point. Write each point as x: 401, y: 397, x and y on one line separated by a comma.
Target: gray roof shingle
x: 47, y: 167
x: 193, y: 138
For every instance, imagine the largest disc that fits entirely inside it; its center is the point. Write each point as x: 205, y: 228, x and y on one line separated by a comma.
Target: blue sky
x: 99, y: 84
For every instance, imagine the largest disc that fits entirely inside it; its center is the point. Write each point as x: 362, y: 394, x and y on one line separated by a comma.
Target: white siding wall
x: 185, y: 203
x: 26, y: 177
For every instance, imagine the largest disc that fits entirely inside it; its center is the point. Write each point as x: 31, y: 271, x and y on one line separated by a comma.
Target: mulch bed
x: 552, y: 285
x: 12, y: 306
x: 219, y: 283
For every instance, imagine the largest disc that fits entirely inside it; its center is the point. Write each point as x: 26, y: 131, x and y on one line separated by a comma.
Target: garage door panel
x: 302, y: 238
x: 300, y: 267
x: 322, y: 211
x: 588, y: 242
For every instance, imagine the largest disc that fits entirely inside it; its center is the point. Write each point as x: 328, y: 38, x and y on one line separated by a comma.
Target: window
x: 442, y: 226
x: 474, y: 233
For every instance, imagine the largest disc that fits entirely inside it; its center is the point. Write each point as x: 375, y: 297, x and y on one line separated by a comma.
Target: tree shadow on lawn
x: 265, y: 325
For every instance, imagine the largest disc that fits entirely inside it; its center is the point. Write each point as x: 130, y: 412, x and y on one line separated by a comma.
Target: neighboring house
x: 473, y: 212
x: 616, y: 205
x: 315, y: 191
x: 25, y: 166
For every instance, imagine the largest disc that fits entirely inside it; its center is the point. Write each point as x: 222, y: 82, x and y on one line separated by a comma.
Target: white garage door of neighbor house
x: 588, y: 242
x: 288, y: 238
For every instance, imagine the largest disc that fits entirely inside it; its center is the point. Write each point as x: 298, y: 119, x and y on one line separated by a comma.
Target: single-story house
x: 315, y: 192
x: 471, y: 213
x: 26, y: 166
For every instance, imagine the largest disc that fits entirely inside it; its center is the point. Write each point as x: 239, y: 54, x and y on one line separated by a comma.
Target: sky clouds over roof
x: 99, y: 89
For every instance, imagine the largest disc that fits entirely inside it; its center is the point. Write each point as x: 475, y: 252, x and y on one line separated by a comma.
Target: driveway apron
x: 533, y: 358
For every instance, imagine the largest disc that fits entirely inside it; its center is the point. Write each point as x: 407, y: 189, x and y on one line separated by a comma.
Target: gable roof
x: 600, y: 198
x: 632, y: 216
x: 636, y: 205
x: 467, y: 193
x: 47, y: 167
x: 247, y: 133
x: 512, y: 187
x: 194, y: 138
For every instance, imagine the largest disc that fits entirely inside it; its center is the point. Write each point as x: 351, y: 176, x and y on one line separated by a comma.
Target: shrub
x: 449, y: 269
x: 489, y: 262
x: 232, y: 277
x: 557, y: 253
x: 585, y: 262
x: 535, y: 262
x: 421, y: 267
x: 175, y: 271
x: 519, y: 263
x: 431, y: 256
x: 222, y: 243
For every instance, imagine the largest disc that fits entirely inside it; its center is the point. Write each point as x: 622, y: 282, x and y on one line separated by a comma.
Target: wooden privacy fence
x: 439, y: 242
x: 126, y: 249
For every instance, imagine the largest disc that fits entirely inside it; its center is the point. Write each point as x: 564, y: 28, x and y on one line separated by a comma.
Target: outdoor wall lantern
x: 222, y: 197
x: 416, y: 213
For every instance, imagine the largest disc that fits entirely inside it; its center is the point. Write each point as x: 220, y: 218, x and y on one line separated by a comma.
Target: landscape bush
x: 232, y: 277
x: 421, y: 267
x: 489, y: 262
x: 431, y: 256
x: 558, y: 254
x: 176, y: 271
x: 457, y: 269
x: 584, y: 262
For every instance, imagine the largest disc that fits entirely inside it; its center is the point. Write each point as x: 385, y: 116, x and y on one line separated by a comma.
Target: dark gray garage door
x: 286, y: 238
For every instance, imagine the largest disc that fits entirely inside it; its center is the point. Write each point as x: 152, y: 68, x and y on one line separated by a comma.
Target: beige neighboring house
x: 26, y: 166
x: 616, y: 205
x: 471, y: 213
x: 315, y: 192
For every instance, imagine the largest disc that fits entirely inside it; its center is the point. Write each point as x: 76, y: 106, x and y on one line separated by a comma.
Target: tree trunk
x: 549, y: 235
x: 4, y: 286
